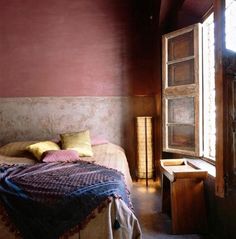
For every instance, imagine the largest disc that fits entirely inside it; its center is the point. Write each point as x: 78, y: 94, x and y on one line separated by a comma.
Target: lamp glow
x: 144, y: 147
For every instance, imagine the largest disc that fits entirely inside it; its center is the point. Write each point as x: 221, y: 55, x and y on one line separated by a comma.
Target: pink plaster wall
x: 74, y: 48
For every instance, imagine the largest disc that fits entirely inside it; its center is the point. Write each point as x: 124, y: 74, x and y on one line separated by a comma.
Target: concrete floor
x: 147, y: 205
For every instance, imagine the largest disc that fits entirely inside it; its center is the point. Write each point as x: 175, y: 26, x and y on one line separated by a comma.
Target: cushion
x: 16, y: 160
x: 79, y: 141
x: 97, y: 141
x: 66, y: 155
x: 39, y: 148
x: 16, y: 149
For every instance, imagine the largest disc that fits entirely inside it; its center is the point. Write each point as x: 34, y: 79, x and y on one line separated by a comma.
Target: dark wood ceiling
x: 197, y: 8
x: 180, y: 13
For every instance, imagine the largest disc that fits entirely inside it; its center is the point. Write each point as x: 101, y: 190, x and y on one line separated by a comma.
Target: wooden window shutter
x: 182, y: 91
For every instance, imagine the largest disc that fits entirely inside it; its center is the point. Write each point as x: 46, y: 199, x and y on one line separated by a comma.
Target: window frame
x: 187, y: 90
x: 225, y: 178
x: 221, y: 99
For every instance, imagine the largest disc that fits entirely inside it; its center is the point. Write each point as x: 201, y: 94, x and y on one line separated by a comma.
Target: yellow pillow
x: 39, y: 148
x: 79, y: 141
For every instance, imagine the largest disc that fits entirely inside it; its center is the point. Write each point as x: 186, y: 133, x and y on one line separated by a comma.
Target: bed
x: 114, y: 219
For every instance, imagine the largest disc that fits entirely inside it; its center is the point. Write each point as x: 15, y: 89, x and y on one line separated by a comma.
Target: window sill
x: 201, y: 164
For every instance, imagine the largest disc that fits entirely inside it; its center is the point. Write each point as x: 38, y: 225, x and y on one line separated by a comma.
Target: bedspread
x: 45, y: 200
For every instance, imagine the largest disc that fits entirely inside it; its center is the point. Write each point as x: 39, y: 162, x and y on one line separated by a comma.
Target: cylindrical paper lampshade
x: 144, y: 147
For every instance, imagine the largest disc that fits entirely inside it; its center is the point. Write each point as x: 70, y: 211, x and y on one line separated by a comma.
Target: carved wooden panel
x: 181, y: 73
x: 180, y: 46
x: 229, y: 63
x: 181, y: 137
x: 181, y: 110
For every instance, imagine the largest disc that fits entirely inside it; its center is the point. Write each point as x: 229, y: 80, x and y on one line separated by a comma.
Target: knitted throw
x: 45, y: 200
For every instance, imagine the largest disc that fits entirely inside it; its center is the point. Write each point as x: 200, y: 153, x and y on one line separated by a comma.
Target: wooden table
x: 183, y: 196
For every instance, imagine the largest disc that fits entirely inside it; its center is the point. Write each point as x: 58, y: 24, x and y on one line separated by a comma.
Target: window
x: 209, y: 109
x: 194, y: 108
x: 185, y: 99
x: 182, y: 91
x: 189, y: 91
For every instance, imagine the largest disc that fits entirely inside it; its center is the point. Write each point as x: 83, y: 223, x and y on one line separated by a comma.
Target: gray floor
x: 147, y: 205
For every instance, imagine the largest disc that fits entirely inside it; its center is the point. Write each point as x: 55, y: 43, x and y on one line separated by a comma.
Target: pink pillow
x: 68, y: 155
x: 97, y: 141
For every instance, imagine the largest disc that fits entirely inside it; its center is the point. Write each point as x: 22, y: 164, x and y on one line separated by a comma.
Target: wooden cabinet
x: 183, y: 196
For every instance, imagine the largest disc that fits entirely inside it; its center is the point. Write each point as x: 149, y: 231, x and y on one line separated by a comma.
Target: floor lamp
x: 144, y: 147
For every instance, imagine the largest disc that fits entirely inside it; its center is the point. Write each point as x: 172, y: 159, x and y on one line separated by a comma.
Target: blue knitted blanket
x: 45, y: 200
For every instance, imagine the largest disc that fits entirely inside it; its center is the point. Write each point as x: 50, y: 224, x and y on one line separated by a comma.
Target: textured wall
x: 47, y: 117
x: 74, y: 65
x: 75, y: 48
